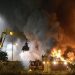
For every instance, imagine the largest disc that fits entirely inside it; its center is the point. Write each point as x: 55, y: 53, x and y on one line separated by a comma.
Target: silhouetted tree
x: 3, y: 56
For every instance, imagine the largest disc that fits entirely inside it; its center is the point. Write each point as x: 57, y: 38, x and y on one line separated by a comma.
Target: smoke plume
x: 46, y: 24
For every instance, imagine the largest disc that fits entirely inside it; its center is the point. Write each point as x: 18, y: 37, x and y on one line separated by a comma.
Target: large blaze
x: 58, y: 54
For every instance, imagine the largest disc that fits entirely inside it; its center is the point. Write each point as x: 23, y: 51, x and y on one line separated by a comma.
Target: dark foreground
x: 16, y: 68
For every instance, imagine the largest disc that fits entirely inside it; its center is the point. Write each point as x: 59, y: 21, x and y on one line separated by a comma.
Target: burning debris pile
x: 68, y: 56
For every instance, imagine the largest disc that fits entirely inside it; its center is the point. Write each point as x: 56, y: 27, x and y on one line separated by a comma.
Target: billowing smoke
x: 40, y: 38
x: 3, y: 23
x: 38, y: 27
x: 66, y: 17
x: 42, y: 22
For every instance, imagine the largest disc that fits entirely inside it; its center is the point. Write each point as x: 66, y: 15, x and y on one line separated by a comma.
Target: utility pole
x: 11, y: 33
x: 12, y: 48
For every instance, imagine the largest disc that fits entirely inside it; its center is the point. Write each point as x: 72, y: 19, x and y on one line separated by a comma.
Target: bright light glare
x: 54, y: 62
x: 0, y: 46
x: 9, y: 52
x: 11, y: 33
x: 59, y: 54
x: 65, y: 63
x: 44, y: 62
x: 30, y: 70
x: 47, y: 62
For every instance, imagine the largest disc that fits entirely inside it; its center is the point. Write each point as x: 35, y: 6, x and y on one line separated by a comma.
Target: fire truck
x: 36, y: 65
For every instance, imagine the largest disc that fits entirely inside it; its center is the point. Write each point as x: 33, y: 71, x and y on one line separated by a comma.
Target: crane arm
x: 16, y: 34
x: 2, y: 39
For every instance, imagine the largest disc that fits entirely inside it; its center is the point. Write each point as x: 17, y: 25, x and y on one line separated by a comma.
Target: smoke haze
x: 40, y: 21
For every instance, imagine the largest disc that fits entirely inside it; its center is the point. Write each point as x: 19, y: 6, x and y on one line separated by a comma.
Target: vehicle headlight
x: 55, y: 63
x: 65, y: 63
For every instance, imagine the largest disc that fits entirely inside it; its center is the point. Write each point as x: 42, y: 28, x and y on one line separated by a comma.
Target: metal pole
x: 12, y: 48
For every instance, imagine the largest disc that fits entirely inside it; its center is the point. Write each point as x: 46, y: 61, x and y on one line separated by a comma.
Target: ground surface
x: 16, y: 68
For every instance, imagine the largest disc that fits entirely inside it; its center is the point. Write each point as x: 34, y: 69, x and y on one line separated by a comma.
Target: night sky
x: 17, y: 12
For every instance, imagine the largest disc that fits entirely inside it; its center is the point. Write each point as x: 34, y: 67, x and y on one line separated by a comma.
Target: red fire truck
x: 36, y: 65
